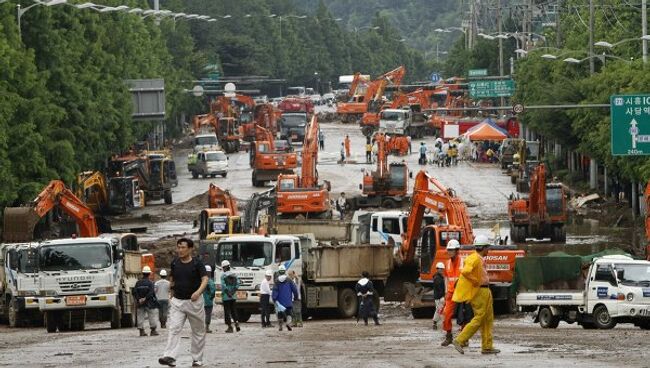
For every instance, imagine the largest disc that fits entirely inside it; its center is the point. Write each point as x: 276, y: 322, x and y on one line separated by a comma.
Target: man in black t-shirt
x: 188, y: 280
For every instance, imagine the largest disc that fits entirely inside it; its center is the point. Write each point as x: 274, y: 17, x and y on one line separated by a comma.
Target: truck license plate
x: 242, y: 295
x: 75, y: 300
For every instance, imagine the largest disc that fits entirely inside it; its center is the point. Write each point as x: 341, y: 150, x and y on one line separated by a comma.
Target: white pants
x: 179, y: 312
x: 151, y: 314
x: 440, y: 305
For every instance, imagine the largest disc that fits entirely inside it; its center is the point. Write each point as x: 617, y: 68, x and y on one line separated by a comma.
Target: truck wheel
x: 116, y: 318
x: 168, y: 197
x: 347, y: 303
x: 243, y: 315
x: 602, y: 319
x: 51, y: 321
x: 15, y: 318
x: 389, y: 203
x: 195, y: 175
x: 547, y: 319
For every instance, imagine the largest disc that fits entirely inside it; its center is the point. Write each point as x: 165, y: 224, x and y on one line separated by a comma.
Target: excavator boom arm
x: 220, y: 198
x: 310, y: 155
x: 56, y: 194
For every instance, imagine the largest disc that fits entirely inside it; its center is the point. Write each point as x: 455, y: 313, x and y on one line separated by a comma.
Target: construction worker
x: 423, y: 154
x: 265, y: 298
x: 368, y: 151
x: 229, y: 287
x: 365, y: 292
x: 321, y: 140
x: 347, y: 146
x: 342, y: 153
x: 284, y: 293
x: 341, y: 203
x: 452, y: 271
x: 162, y: 294
x: 438, y: 293
x: 188, y: 281
x: 208, y: 298
x: 474, y: 287
x: 145, y: 295
x: 296, y: 319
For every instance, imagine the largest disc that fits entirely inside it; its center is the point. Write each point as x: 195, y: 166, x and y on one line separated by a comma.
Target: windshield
x: 74, y: 257
x: 297, y: 120
x: 219, y: 225
x: 295, y: 91
x: 205, y: 141
x: 215, y: 156
x: 245, y: 254
x: 554, y: 201
x: 392, y: 115
x: 633, y: 274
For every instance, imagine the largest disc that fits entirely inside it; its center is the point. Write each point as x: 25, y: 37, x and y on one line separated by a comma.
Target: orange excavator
x: 20, y: 223
x: 222, y: 217
x: 226, y: 128
x: 265, y: 116
x: 266, y: 161
x: 542, y: 214
x: 424, y: 246
x: 385, y: 187
x: 353, y: 110
x: 303, y: 195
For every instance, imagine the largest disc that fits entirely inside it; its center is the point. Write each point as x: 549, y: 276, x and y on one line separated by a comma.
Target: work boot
x: 435, y: 325
x: 458, y: 346
x: 169, y: 361
x: 229, y: 329
x: 142, y: 333
x: 207, y: 329
x: 289, y: 327
x: 280, y: 326
x: 377, y: 321
x: 154, y: 332
x: 448, y: 339
x: 163, y: 325
x: 237, y: 327
x: 490, y: 351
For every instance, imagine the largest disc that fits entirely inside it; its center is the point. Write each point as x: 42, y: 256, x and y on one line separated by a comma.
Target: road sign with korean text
x: 630, y: 125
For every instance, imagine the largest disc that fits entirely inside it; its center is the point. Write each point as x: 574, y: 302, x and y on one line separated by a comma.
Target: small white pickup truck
x: 616, y: 290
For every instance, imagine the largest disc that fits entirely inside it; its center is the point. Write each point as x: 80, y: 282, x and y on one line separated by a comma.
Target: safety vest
x: 452, y: 273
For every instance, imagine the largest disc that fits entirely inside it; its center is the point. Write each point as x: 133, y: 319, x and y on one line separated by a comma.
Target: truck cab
x: 250, y: 256
x: 387, y: 225
x: 206, y: 142
x: 19, y: 283
x: 292, y: 126
x: 395, y: 121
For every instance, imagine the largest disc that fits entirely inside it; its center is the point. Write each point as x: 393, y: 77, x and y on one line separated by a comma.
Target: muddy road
x: 399, y: 342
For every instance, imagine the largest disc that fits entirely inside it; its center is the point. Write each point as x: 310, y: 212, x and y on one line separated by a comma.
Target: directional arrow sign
x: 630, y: 125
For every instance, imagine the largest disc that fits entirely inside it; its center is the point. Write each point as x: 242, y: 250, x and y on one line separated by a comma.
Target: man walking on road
x: 162, y: 294
x: 229, y: 287
x: 365, y: 292
x: 188, y: 281
x: 296, y: 319
x: 265, y: 298
x: 208, y: 298
x: 342, y: 153
x: 145, y: 295
x: 474, y: 286
x: 347, y: 146
x: 321, y: 140
x: 284, y: 293
x: 452, y: 271
x: 438, y: 293
x: 341, y: 203
x: 368, y: 151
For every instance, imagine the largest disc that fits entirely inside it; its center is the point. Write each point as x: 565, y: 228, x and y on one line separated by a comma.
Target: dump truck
x: 18, y: 284
x: 611, y: 289
x: 329, y: 272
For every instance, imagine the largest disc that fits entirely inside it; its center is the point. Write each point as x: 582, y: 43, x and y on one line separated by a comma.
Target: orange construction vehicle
x: 266, y: 161
x: 265, y: 116
x: 20, y: 223
x: 429, y: 244
x: 221, y: 218
x: 303, y: 195
x: 542, y: 214
x: 352, y: 111
x: 385, y: 187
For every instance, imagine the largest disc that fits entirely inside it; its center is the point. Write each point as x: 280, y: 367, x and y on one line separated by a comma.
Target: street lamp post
x: 644, y: 38
x: 20, y: 12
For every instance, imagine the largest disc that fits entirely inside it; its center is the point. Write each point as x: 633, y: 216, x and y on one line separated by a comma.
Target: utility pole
x: 470, y: 41
x: 558, y: 24
x: 644, y: 29
x: 499, y: 27
x: 592, y: 67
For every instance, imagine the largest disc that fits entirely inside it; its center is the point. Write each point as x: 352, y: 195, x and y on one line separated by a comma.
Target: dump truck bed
x: 341, y: 263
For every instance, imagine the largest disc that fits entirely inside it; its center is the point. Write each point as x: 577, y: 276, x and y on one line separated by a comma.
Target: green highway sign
x: 491, y: 88
x: 630, y: 125
x: 478, y: 72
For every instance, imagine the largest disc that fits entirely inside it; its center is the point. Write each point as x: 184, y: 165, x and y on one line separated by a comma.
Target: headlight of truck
x: 26, y: 293
x: 105, y: 290
x: 48, y: 293
x: 630, y: 297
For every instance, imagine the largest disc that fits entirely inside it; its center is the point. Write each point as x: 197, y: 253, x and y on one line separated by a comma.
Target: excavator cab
x: 124, y: 194
x: 433, y: 239
x: 217, y: 222
x: 555, y: 202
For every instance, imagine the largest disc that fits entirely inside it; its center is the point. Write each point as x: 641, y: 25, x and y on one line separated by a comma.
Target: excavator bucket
x: 19, y: 223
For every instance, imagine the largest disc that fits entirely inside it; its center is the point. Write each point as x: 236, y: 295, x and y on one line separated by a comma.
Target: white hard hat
x: 440, y: 265
x: 282, y: 268
x: 453, y: 244
x: 146, y: 269
x: 269, y: 273
x: 163, y: 272
x: 481, y: 241
x: 208, y: 268
x: 225, y: 263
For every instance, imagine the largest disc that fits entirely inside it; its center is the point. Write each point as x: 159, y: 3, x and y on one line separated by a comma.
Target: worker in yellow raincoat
x: 474, y: 287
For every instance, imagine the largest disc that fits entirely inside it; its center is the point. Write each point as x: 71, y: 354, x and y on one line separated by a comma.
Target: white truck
x: 616, y: 289
x: 206, y: 142
x: 19, y: 284
x: 402, y: 122
x: 329, y: 273
x: 88, y: 279
x: 208, y: 163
